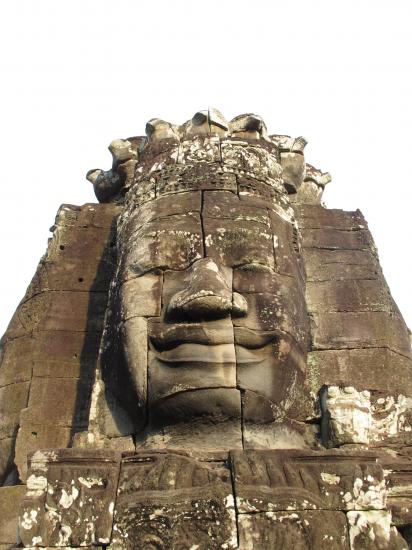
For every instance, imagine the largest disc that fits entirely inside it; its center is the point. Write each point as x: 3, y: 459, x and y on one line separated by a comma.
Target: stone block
x: 309, y: 193
x: 158, y: 154
x: 77, y: 259
x: 199, y: 149
x: 227, y: 205
x: 275, y: 372
x: 282, y: 311
x: 374, y: 329
x: 255, y: 279
x: 69, y: 244
x: 287, y: 245
x: 32, y: 437
x: 172, y: 501
x: 162, y: 207
x: 399, y: 487
x: 16, y: 361
x: 68, y: 398
x: 173, y: 243
x: 108, y: 424
x: 191, y: 367
x: 293, y: 170
x: 10, y: 499
x: 141, y: 296
x: 210, y: 405
x: 319, y: 217
x: 372, y: 529
x: 335, y: 239
x: 64, y: 485
x: 278, y: 480
x: 6, y: 457
x: 203, y: 278
x: 145, y: 191
x: 195, y: 177
x: 335, y: 265
x: 305, y: 530
x: 65, y: 354
x: 199, y: 435
x: 135, y: 350
x: 352, y: 295
x: 235, y: 243
x: 255, y: 162
x: 71, y: 311
x: 260, y: 194
x: 13, y: 398
x: 346, y: 416
x: 261, y: 431
x: 167, y: 336
x: 21, y: 324
x: 79, y: 274
x: 350, y: 416
x: 374, y: 369
x: 104, y: 215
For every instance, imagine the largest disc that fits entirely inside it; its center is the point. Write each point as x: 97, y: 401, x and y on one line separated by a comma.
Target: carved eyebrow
x: 255, y: 266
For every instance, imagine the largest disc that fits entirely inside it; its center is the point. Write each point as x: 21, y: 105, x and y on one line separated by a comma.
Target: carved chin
x: 212, y: 405
x: 191, y: 381
x: 195, y: 381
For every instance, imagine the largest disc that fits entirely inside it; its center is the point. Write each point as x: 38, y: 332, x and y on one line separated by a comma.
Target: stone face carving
x: 209, y: 358
x: 209, y: 269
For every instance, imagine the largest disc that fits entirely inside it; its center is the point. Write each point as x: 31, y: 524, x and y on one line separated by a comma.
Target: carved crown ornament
x: 209, y: 146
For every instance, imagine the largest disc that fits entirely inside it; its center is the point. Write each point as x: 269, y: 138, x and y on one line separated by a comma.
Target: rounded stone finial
x: 121, y: 150
x: 93, y: 174
x: 249, y: 126
x: 200, y: 118
x: 217, y: 120
x: 210, y: 121
x: 157, y: 129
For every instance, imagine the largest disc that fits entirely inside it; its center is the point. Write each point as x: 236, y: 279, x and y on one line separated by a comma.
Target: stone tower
x: 207, y: 358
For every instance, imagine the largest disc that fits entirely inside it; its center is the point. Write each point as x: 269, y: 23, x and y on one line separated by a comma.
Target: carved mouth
x: 167, y: 337
x: 197, y: 353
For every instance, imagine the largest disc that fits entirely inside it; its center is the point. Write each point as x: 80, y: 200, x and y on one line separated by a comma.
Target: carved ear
x: 249, y: 126
x: 157, y: 129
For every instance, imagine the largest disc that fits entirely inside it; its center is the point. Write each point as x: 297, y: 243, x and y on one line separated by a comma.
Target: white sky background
x: 76, y: 75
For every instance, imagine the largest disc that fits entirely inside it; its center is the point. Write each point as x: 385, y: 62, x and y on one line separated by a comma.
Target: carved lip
x: 165, y: 337
x: 198, y: 353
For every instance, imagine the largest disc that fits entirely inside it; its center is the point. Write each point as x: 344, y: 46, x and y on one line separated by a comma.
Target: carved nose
x: 207, y: 296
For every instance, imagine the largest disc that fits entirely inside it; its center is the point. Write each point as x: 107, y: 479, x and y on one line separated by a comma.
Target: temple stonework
x: 207, y: 358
